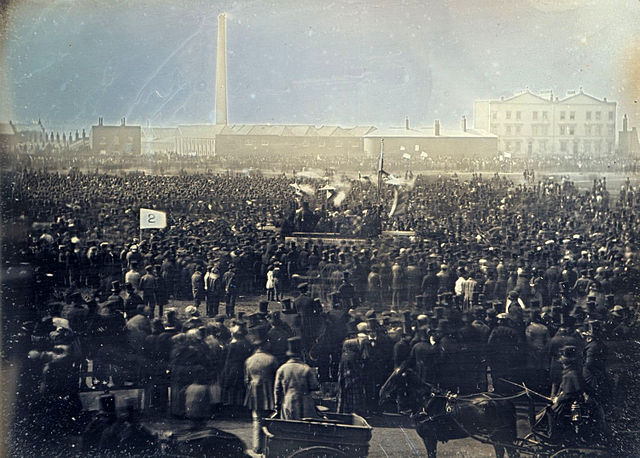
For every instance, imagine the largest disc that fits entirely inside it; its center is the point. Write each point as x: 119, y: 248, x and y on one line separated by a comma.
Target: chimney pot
x: 437, y: 128
x: 464, y: 123
x: 406, y: 122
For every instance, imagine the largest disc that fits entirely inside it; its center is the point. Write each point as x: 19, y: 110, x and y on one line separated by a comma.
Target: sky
x: 349, y: 62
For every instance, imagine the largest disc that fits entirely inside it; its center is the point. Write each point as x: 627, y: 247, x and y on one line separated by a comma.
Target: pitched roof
x: 426, y: 132
x: 581, y: 97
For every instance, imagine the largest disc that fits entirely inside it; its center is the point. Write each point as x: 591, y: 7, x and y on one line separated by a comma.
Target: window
x: 563, y: 146
x: 518, y: 146
x: 248, y: 141
x: 610, y: 129
x: 572, y: 130
x: 518, y: 115
x: 507, y: 146
x: 544, y: 129
x: 611, y: 115
x: 563, y: 115
x: 545, y: 115
x: 518, y: 129
x: 534, y: 130
x: 587, y: 146
x: 338, y: 144
x: 572, y: 115
x: 494, y: 128
x: 508, y: 130
x: 598, y: 129
x: 535, y: 115
x: 598, y: 115
x: 587, y: 129
x: 588, y: 116
x: 542, y: 146
x: 563, y: 130
x: 116, y: 140
x: 508, y: 115
x: 494, y: 115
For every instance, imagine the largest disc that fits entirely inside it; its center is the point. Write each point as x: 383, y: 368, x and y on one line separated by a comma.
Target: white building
x: 530, y: 123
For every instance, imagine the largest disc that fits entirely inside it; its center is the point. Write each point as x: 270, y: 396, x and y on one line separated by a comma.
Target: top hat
x: 286, y: 306
x: 263, y: 307
x: 444, y: 326
x: 115, y: 286
x: 294, y: 346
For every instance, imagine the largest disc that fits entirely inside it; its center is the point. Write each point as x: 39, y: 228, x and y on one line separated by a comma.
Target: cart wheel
x: 318, y: 452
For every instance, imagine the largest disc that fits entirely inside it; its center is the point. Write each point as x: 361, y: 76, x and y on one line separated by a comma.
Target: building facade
x: 528, y: 124
x: 115, y: 139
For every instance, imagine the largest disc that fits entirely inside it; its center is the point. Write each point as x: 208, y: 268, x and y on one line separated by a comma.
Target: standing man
x: 260, y: 373
x: 230, y: 283
x: 197, y: 286
x: 213, y: 286
x: 294, y: 383
x: 149, y: 286
x: 309, y: 311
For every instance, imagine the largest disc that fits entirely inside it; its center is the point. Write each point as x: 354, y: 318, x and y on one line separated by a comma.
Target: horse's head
x: 402, y: 380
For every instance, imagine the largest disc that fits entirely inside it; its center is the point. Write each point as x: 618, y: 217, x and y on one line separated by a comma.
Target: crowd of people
x: 497, y: 282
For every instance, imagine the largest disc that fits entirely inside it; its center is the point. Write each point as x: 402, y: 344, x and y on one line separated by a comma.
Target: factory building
x: 423, y: 142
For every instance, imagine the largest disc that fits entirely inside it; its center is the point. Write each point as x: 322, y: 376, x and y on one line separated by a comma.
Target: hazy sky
x: 320, y: 62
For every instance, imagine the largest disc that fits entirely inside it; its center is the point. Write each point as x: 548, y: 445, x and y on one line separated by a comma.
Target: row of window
x: 544, y: 115
x: 588, y: 146
x: 564, y: 129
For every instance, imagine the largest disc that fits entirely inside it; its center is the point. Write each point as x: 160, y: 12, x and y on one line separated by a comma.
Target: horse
x: 442, y: 417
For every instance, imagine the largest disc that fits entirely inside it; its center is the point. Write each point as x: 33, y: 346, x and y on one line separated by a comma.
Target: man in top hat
x: 132, y: 300
x: 214, y: 291
x: 115, y: 295
x: 295, y: 381
x: 277, y: 337
x: 232, y: 377
x: 309, y: 311
x: 260, y: 373
x: 570, y: 390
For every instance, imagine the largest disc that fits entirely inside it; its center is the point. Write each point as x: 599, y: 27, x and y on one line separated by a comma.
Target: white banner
x: 406, y: 156
x: 152, y: 219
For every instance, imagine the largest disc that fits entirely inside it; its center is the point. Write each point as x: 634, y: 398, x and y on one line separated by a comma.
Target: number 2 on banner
x: 151, y: 218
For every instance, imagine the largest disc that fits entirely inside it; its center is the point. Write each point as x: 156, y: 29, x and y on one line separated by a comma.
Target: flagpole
x: 380, y: 168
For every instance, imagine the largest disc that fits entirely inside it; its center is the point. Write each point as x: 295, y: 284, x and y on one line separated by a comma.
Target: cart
x: 334, y: 435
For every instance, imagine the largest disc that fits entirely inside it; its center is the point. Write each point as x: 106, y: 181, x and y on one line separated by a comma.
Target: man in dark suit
x: 309, y: 312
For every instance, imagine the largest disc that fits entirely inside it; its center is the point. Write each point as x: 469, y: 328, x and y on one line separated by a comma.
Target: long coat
x: 259, y: 375
x: 294, y: 383
x: 233, y: 390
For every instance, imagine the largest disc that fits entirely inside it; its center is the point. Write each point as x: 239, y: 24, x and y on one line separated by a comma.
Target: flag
x: 406, y: 156
x: 507, y: 155
x: 399, y: 205
x: 152, y: 219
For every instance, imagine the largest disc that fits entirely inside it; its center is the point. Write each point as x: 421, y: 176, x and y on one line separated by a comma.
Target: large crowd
x: 496, y: 282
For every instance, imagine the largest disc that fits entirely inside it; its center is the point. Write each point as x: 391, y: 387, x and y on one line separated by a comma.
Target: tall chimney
x: 221, y: 71
x: 463, y: 123
x: 406, y: 122
x: 436, y: 128
x: 625, y: 122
